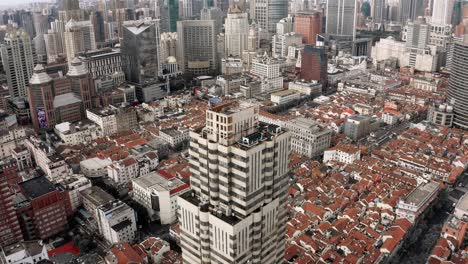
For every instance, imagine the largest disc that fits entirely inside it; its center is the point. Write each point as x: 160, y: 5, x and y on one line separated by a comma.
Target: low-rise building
x: 158, y: 192
x: 284, y: 97
x: 461, y: 209
x: 94, y: 197
x: 53, y: 165
x: 416, y: 203
x: 309, y: 138
x: 357, y: 126
x: 95, y: 167
x: 112, y: 119
x: 175, y: 137
x: 124, y: 171
x: 72, y: 186
x: 442, y: 115
x: 24, y: 252
x: 426, y: 84
x: 117, y: 222
x: 307, y: 88
x: 345, y: 153
x: 77, y: 133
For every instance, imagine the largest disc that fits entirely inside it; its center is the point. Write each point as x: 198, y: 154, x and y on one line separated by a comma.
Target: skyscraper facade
x: 341, y: 17
x: 140, y: 50
x: 235, y: 212
x: 79, y: 37
x: 442, y: 12
x: 314, y: 64
x: 379, y: 10
x: 18, y: 59
x: 410, y: 9
x: 309, y: 25
x: 457, y: 94
x: 236, y: 32
x: 268, y: 12
x: 196, y: 46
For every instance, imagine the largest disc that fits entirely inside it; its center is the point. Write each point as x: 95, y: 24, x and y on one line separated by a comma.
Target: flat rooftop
x: 36, y: 187
x: 419, y: 195
x: 463, y: 203
x: 96, y: 196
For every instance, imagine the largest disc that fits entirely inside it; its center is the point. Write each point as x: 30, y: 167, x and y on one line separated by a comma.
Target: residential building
x: 284, y: 97
x: 117, y: 222
x: 357, y: 126
x: 72, y: 186
x: 457, y: 89
x: 238, y: 186
x: 158, y: 192
x: 40, y: 208
x: 10, y: 138
x: 306, y: 88
x: 18, y: 59
x: 112, y: 119
x: 344, y: 153
x: 175, y: 137
x: 441, y: 115
x: 33, y: 251
x: 282, y: 42
x: 124, y: 171
x: 196, y: 47
x: 92, y: 198
x: 461, y: 208
x: 418, y: 201
x: 9, y: 224
x: 267, y: 69
x: 77, y: 133
x: 95, y: 167
x: 309, y: 138
x: 53, y: 165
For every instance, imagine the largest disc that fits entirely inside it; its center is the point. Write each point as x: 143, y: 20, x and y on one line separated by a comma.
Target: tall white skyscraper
x: 236, y: 211
x: 442, y: 12
x: 236, y: 31
x: 79, y: 37
x: 268, y: 12
x: 341, y: 15
x: 18, y: 59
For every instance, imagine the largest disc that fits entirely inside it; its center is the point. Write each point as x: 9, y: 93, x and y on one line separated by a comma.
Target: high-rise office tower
x: 70, y: 9
x: 341, y: 15
x: 418, y: 34
x: 457, y: 94
x: 41, y: 99
x: 196, y: 46
x: 18, y: 59
x: 309, y: 25
x: 97, y: 19
x: 54, y: 45
x: 268, y: 12
x: 236, y: 32
x: 314, y: 64
x: 236, y: 211
x: 140, y: 50
x: 9, y: 225
x: 79, y: 37
x: 379, y: 10
x: 213, y: 13
x: 81, y: 83
x: 173, y: 7
x: 41, y: 25
x: 185, y: 9
x: 411, y: 10
x: 442, y: 12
